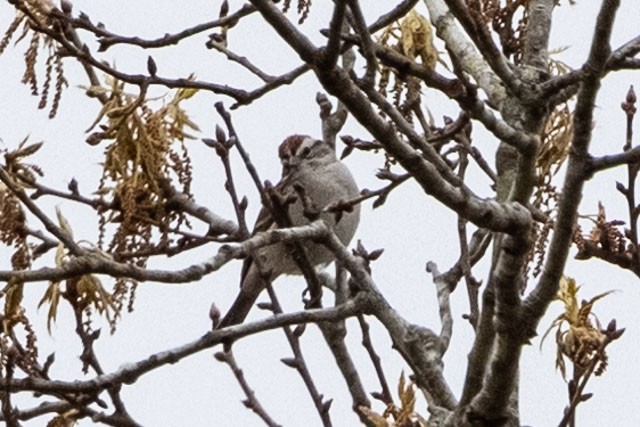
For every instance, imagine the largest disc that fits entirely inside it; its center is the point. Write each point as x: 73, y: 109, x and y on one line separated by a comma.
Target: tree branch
x: 107, y: 39
x: 538, y: 300
x: 129, y: 373
x: 472, y: 62
x: 91, y: 262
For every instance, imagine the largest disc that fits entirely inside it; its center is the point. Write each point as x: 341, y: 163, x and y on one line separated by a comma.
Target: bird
x: 312, y: 165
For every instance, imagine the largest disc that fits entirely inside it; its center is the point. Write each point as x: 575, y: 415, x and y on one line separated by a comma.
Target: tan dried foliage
x: 416, y: 39
x: 146, y: 152
x: 66, y: 419
x: 555, y: 147
x: 552, y: 153
x: 18, y: 345
x: 394, y: 416
x: 412, y: 37
x: 13, y: 223
x: 556, y: 142
x: 35, y: 14
x: 583, y: 341
x: 84, y: 293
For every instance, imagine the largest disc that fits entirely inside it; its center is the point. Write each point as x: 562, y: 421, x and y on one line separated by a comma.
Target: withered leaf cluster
x: 583, y: 341
x: 398, y: 416
x: 145, y: 157
x: 606, y: 235
x: 413, y: 38
x: 38, y: 43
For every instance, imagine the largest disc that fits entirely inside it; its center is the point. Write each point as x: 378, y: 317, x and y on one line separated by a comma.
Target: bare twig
x: 385, y: 394
x: 52, y: 228
x: 222, y: 146
x: 576, y: 391
x: 90, y: 359
x: 127, y: 374
x: 108, y: 39
x: 336, y: 25
x: 251, y: 401
x: 334, y: 334
x: 242, y: 60
x: 366, y: 43
x: 299, y: 364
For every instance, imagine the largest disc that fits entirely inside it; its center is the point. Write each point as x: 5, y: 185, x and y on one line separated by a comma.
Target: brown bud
x: 224, y: 9
x: 152, y: 68
x: 73, y: 186
x: 631, y: 95
x: 220, y: 135
x: 66, y: 6
x: 214, y: 315
x: 244, y: 203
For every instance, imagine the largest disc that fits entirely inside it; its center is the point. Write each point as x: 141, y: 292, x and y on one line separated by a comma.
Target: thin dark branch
x: 108, y: 39
x: 361, y: 29
x: 129, y: 373
x: 380, y: 194
x: 477, y: 247
x: 284, y: 79
x: 52, y: 228
x: 222, y: 146
x: 299, y: 362
x: 42, y: 409
x: 334, y: 334
x: 400, y: 10
x: 90, y: 359
x: 241, y: 96
x: 241, y: 60
x: 622, y: 56
x: 596, y: 360
x: 332, y: 49
x: 385, y: 394
x: 464, y: 261
x: 601, y: 163
x: 288, y: 31
x: 179, y: 201
x: 43, y: 190
x: 253, y: 172
x: 252, y: 401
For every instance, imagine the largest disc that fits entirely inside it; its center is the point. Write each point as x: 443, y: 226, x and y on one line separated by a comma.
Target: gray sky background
x: 411, y: 228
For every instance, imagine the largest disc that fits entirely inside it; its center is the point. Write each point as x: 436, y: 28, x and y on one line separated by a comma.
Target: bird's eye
x: 305, y: 152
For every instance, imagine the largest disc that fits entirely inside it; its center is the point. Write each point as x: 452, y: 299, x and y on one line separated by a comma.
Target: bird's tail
x: 251, y: 287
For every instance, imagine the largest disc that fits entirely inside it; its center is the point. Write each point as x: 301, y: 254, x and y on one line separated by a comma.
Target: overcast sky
x: 412, y: 229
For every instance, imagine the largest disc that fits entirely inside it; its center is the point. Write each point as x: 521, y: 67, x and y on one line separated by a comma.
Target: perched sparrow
x: 313, y: 165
